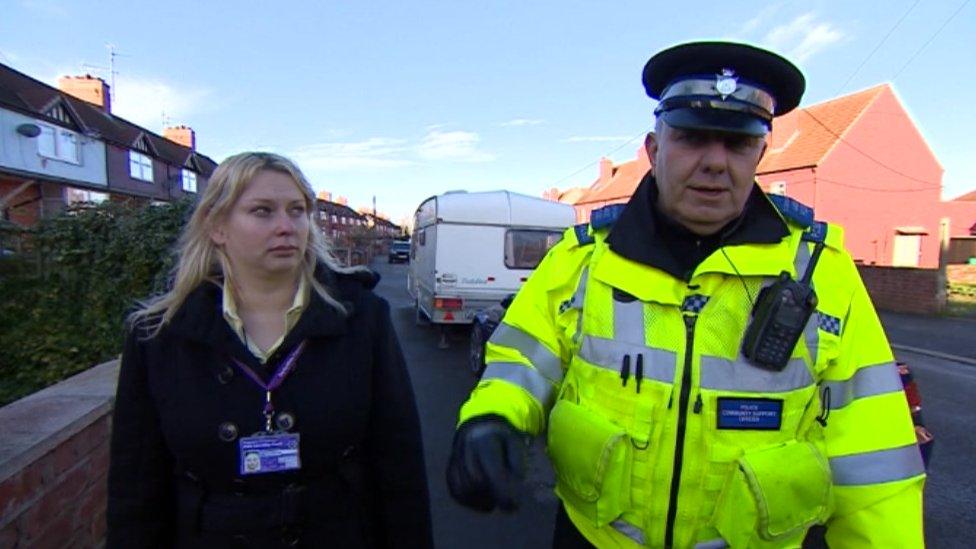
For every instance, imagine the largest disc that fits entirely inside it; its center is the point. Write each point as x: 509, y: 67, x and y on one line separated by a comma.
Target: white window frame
x: 140, y: 166
x: 57, y: 143
x: 189, y: 179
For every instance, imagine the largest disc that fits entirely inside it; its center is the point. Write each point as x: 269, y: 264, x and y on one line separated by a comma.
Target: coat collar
x: 201, y: 319
x: 645, y: 236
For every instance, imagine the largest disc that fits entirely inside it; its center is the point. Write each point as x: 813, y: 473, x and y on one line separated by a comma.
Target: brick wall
x: 904, y: 290
x: 59, y: 500
x: 54, y: 463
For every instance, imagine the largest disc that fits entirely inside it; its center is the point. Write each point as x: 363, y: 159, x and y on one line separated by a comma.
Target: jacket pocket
x: 774, y: 496
x: 592, y: 459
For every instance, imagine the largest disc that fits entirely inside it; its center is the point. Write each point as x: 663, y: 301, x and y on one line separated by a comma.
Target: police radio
x: 781, y: 311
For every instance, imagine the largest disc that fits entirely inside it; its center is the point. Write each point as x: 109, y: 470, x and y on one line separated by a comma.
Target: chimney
x: 643, y: 159
x: 183, y: 135
x: 606, y: 170
x: 87, y: 88
x: 342, y: 200
x: 325, y: 195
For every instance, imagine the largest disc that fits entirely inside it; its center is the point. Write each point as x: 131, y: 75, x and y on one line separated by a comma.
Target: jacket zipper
x: 682, y: 418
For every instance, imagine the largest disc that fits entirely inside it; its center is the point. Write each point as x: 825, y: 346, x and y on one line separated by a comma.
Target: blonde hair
x: 199, y: 260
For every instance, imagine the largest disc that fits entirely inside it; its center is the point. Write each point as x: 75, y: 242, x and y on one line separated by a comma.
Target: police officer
x: 705, y: 361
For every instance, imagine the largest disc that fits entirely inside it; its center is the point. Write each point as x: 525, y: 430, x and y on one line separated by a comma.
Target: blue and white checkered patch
x: 827, y: 323
x: 694, y: 303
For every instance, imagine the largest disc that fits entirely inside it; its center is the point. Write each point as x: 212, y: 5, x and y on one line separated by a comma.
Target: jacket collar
x: 201, y: 319
x: 644, y: 235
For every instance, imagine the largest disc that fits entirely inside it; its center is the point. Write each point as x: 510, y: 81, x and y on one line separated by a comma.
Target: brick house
x: 962, y: 228
x: 63, y: 145
x: 337, y: 220
x: 858, y: 160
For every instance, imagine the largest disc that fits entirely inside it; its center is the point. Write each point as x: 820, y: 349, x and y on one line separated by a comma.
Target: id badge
x: 269, y: 453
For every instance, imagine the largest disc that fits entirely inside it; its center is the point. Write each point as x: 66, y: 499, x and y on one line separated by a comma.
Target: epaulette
x: 606, y: 216
x: 816, y: 232
x: 583, y: 236
x: 792, y: 210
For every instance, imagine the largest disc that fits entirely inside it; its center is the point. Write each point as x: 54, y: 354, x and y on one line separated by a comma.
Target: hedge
x: 67, y: 290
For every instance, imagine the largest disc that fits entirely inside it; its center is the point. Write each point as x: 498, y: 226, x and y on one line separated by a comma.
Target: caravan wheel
x: 420, y: 317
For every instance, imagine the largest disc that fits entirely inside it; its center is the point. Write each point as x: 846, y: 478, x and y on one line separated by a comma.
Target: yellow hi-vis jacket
x: 706, y: 449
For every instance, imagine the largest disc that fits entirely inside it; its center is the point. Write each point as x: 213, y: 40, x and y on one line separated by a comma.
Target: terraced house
x: 63, y: 145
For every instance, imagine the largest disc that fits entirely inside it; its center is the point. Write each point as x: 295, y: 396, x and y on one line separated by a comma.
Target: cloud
x: 760, y: 19
x: 146, y: 101
x: 45, y: 7
x: 455, y: 146
x: 516, y: 122
x: 9, y: 57
x: 372, y: 153
x: 596, y: 139
x: 385, y: 152
x: 803, y: 37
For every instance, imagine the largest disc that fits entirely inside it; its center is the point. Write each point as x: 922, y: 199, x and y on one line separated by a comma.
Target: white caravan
x: 470, y: 250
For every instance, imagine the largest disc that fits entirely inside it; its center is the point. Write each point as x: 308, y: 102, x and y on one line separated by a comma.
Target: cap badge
x: 726, y: 83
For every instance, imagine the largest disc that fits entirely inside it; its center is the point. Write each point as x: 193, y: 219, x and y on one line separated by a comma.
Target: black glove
x: 487, y: 464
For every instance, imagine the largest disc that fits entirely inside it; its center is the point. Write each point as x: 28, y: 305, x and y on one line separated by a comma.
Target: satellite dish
x: 29, y: 130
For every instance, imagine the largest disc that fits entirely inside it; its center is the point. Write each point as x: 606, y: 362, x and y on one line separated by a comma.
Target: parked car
x: 399, y: 251
x: 482, y: 326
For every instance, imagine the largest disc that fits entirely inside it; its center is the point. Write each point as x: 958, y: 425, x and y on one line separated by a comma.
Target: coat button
x: 227, y: 431
x: 285, y: 421
x: 225, y: 375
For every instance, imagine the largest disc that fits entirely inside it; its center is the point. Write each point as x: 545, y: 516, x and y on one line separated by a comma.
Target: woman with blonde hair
x: 264, y: 401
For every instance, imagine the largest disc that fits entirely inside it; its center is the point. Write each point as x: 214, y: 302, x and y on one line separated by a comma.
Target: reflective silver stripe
x: 868, y: 381
x: 523, y: 376
x: 877, y: 467
x: 581, y: 289
x: 811, y: 336
x: 607, y: 353
x: 542, y: 358
x: 801, y: 260
x: 629, y: 530
x: 717, y: 543
x: 628, y: 321
x: 578, y: 298
x: 738, y: 375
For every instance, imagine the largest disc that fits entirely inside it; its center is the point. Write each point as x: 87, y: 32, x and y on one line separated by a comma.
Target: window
x: 189, y: 181
x: 524, y: 249
x: 140, y: 166
x: 58, y: 143
x: 81, y: 196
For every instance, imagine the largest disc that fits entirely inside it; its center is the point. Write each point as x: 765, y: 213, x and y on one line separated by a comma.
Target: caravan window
x: 524, y: 249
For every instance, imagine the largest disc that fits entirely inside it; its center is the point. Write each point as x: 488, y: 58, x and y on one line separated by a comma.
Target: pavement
x: 951, y: 338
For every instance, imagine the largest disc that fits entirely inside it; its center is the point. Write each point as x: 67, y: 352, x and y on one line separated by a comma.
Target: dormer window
x: 140, y: 167
x: 189, y: 181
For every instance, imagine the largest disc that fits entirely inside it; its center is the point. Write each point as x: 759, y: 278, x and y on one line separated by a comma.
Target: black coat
x: 174, y: 482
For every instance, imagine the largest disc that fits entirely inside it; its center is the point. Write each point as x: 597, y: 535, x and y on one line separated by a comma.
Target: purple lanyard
x: 284, y: 368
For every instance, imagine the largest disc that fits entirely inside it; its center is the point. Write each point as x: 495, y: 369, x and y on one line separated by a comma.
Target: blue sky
x: 403, y: 100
